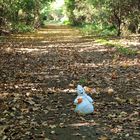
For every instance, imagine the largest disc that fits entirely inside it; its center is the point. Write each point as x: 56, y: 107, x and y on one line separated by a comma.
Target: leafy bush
x: 98, y: 29
x: 22, y: 28
x: 66, y: 22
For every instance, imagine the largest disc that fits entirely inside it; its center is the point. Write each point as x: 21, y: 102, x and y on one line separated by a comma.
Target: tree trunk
x: 118, y: 22
x: 119, y: 28
x: 36, y: 15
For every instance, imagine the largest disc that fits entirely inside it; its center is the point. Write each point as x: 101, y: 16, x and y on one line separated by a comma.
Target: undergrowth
x: 98, y: 29
x: 22, y: 28
x: 119, y: 47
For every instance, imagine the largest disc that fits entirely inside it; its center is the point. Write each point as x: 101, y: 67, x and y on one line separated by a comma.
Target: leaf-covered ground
x: 38, y: 76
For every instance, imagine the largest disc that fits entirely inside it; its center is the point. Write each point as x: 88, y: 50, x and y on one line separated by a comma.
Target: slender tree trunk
x: 119, y: 28
x: 118, y: 22
x: 36, y: 14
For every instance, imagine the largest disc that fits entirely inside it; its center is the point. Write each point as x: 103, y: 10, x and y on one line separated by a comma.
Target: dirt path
x: 38, y: 76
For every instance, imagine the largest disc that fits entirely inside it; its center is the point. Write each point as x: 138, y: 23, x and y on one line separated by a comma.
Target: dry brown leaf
x: 114, y: 75
x: 89, y: 90
x: 103, y: 138
x: 110, y: 91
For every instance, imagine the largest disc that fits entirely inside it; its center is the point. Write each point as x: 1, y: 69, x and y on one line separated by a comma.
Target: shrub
x: 98, y: 29
x: 22, y: 28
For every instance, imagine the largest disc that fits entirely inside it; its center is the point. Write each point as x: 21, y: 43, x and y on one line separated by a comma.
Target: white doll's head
x: 80, y: 90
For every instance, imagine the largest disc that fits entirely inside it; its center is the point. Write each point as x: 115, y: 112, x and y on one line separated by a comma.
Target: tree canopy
x: 103, y: 14
x: 118, y: 14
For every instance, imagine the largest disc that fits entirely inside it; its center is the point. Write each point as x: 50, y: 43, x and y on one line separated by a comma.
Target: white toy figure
x: 83, y: 102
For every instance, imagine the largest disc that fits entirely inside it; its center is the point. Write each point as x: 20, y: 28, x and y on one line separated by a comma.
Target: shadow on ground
x: 39, y: 73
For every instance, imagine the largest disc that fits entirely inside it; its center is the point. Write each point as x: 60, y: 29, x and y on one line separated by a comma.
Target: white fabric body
x: 86, y: 106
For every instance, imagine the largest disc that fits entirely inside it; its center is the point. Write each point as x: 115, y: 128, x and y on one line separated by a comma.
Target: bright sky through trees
x: 58, y: 3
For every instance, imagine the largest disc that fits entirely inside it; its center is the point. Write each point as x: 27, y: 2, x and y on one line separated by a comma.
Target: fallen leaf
x: 52, y: 132
x: 2, y: 128
x: 52, y: 126
x: 110, y: 91
x: 71, y: 85
x: 114, y: 75
x: 103, y: 138
x: 89, y: 90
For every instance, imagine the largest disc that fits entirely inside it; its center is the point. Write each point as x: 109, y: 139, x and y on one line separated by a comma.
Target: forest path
x: 38, y: 76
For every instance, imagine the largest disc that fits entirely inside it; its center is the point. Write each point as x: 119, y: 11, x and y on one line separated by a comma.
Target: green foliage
x: 21, y: 28
x: 108, y: 31
x: 50, y: 13
x: 70, y: 6
x: 82, y: 81
x: 126, y: 51
x: 67, y: 22
x: 98, y: 29
x: 102, y: 41
x: 21, y: 15
x: 104, y: 15
x: 119, y: 47
x: 99, y: 17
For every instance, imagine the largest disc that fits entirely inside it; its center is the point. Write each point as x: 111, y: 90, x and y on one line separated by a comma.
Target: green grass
x: 82, y: 81
x: 119, y: 47
x: 126, y: 51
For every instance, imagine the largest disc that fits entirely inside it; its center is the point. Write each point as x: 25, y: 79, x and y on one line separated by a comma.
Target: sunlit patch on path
x: 38, y: 75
